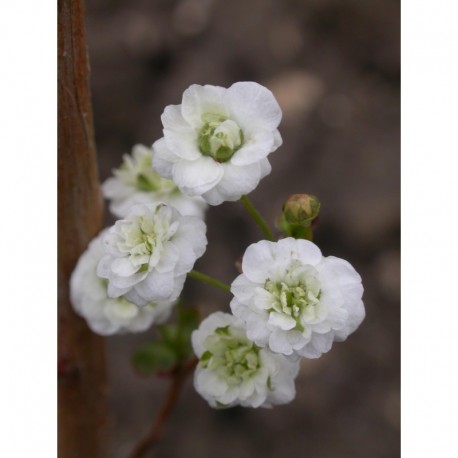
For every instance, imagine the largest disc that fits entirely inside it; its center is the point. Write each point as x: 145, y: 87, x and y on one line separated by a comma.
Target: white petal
x: 252, y: 104
x: 182, y: 144
x: 303, y: 250
x: 266, y: 168
x: 319, y: 344
x: 340, y: 271
x: 156, y: 286
x: 192, y: 230
x: 104, y: 327
x: 163, y: 159
x: 198, y: 100
x: 229, y: 396
x: 119, y: 281
x: 133, y: 297
x: 257, y: 146
x: 278, y: 141
x: 242, y: 288
x: 180, y: 137
x: 296, y: 339
x: 208, y: 383
x: 196, y: 177
x: 207, y: 326
x: 238, y: 181
x: 257, y: 261
x: 115, y: 292
x: 214, y: 196
x: 283, y: 380
x: 173, y: 119
x: 355, y: 317
x: 113, y: 188
x: 246, y: 389
x: 238, y: 309
x: 257, y: 329
x: 123, y: 267
x: 263, y: 300
x: 169, y: 258
x: 257, y: 399
x: 282, y: 321
x: 279, y: 343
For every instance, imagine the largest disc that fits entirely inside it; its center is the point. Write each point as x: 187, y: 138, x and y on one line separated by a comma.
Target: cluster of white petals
x: 216, y: 142
x: 136, y: 182
x: 232, y: 370
x: 289, y: 301
x: 295, y: 301
x: 105, y: 315
x: 148, y: 254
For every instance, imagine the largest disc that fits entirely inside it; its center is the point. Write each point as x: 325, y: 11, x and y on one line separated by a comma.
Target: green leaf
x: 169, y: 333
x: 154, y: 356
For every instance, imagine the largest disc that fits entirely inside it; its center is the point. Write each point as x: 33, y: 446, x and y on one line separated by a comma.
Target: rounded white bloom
x: 149, y: 253
x: 216, y: 142
x: 294, y: 300
x: 232, y: 370
x: 103, y: 314
x: 136, y: 182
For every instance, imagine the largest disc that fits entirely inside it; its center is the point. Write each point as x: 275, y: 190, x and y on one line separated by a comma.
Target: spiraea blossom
x: 103, y: 314
x: 232, y: 370
x: 149, y: 253
x: 136, y: 182
x: 216, y: 142
x: 294, y: 300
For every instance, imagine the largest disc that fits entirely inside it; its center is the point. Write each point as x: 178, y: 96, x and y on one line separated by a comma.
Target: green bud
x: 301, y: 209
x: 298, y: 213
x: 220, y: 138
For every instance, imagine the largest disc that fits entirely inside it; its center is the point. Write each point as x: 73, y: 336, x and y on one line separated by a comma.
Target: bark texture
x: 81, y: 359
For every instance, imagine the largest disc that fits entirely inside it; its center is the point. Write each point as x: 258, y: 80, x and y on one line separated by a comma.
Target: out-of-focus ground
x: 334, y: 67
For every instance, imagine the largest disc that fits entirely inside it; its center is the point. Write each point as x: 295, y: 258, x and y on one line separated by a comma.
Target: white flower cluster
x: 133, y: 277
x: 132, y: 274
x: 289, y: 301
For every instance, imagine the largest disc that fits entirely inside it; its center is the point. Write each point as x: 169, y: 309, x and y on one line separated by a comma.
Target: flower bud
x: 301, y: 209
x: 298, y: 213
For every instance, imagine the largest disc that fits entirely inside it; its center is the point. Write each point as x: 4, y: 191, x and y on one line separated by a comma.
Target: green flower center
x: 137, y: 172
x: 219, y: 137
x: 295, y: 298
x: 144, y: 236
x: 233, y: 358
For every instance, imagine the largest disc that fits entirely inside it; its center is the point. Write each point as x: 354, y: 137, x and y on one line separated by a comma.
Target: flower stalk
x: 179, y: 376
x: 258, y: 219
x: 210, y: 280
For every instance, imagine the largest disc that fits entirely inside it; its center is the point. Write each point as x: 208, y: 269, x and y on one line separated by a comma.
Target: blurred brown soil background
x: 333, y: 66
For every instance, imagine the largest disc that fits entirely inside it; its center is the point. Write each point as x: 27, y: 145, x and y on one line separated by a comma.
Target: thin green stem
x: 259, y: 220
x: 210, y: 280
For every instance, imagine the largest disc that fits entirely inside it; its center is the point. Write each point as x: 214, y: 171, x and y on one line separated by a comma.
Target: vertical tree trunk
x: 82, y: 379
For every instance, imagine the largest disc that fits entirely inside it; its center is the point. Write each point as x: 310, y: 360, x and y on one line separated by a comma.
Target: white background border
x: 28, y: 141
x: 429, y: 228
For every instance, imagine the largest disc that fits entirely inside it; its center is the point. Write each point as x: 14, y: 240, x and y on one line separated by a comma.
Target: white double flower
x: 149, y: 253
x: 295, y: 301
x: 136, y: 182
x: 232, y: 370
x: 216, y: 142
x: 105, y: 315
